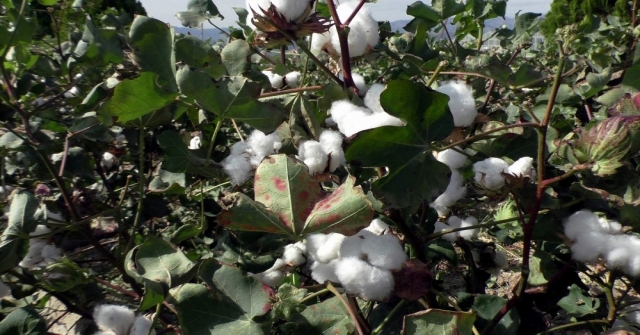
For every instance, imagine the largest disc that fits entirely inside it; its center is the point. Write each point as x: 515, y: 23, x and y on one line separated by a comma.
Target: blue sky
x: 390, y: 10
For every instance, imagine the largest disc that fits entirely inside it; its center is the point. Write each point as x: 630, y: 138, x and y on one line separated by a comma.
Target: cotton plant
x: 245, y: 156
x: 489, y: 173
x: 120, y: 320
x: 363, y: 30
x: 457, y: 222
x: 40, y: 253
x: 291, y: 10
x: 461, y: 102
x: 593, y: 238
x: 352, y: 119
x: 456, y: 188
x: 293, y: 255
x: 325, y: 154
x: 292, y: 79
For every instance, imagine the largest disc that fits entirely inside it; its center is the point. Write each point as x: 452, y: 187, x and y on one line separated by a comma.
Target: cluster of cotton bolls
x: 352, y: 119
x: 594, y: 237
x: 363, y: 32
x: 292, y: 79
x: 456, y: 189
x: 457, y: 222
x: 322, y: 154
x: 291, y: 10
x: 294, y: 255
x: 40, y: 253
x: 362, y: 263
x: 461, y: 102
x: 247, y: 155
x: 489, y: 172
x: 120, y: 320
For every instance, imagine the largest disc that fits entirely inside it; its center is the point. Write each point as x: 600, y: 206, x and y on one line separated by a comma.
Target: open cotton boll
x: 312, y: 154
x: 358, y: 80
x: 239, y: 148
x: 293, y: 255
x: 633, y: 267
x: 455, y: 191
x: 618, y: 257
x: 461, y: 102
x: 331, y: 142
x: 610, y: 226
x: 372, y: 98
x: 313, y: 243
x: 452, y: 158
x: 363, y: 29
x: 293, y: 79
x: 262, y: 145
x: 5, y: 290
x: 292, y: 10
x: 73, y: 92
x: 238, y: 168
x: 330, y: 249
x: 270, y: 277
x: 118, y: 319
x: 581, y: 222
x: 195, y: 143
x: 378, y: 227
x: 352, y: 119
x: 351, y: 247
x: 141, y: 326
x: 275, y: 79
x: 469, y: 234
x: 384, y: 251
x: 319, y: 41
x: 322, y: 272
x: 523, y: 167
x: 589, y: 246
x: 488, y: 173
x: 361, y: 278
x: 440, y: 226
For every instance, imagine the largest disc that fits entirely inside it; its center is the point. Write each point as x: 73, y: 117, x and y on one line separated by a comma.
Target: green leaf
x: 199, y: 54
x: 10, y: 141
x: 414, y: 175
x: 542, y: 268
x: 447, y: 8
x: 631, y: 80
x: 234, y: 98
x: 486, y: 307
x: 48, y: 2
x: 101, y: 46
x: 595, y: 83
x: 24, y: 215
x: 327, y: 317
x: 168, y: 183
x: 134, y: 98
x: 200, y: 312
x: 248, y: 215
x: 157, y: 260
x: 578, y: 304
x: 179, y: 159
x: 246, y: 292
x: 23, y: 321
x: 63, y: 276
x: 152, y: 43
x: 289, y: 301
x: 345, y: 210
x: 525, y: 26
x: 154, y: 294
x: 197, y: 12
x: 235, y: 57
x: 441, y: 322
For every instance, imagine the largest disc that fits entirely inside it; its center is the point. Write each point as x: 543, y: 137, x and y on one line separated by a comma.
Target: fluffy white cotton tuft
x: 452, y: 158
x: 292, y: 10
x: 440, y: 226
x: 469, y: 234
x: 108, y: 161
x: 118, y: 319
x: 488, y: 173
x: 319, y: 41
x: 322, y: 272
x: 455, y: 191
x: 293, y: 79
x: 378, y: 227
x: 352, y: 119
x: 141, y: 326
x: 358, y: 80
x: 275, y: 79
x: 523, y: 167
x: 384, y: 251
x: 461, y: 102
x: 312, y: 154
x: 589, y: 246
x: 270, y: 277
x: 372, y: 98
x: 314, y: 242
x: 360, y: 277
x: 293, y: 255
x: 331, y: 143
x: 239, y: 148
x: 363, y: 30
x: 330, y: 248
x: 262, y: 145
x: 581, y: 222
x: 195, y: 143
x: 238, y: 168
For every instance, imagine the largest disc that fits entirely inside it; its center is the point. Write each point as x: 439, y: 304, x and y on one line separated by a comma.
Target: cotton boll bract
x: 452, y: 158
x: 238, y: 168
x: 141, y: 326
x: 461, y: 102
x: 118, y: 319
x: 523, y: 167
x: 312, y: 154
x: 488, y: 173
x: 293, y: 79
x: 384, y: 251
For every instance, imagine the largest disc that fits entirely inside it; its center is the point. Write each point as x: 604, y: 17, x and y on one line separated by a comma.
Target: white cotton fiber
x: 319, y: 41
x: 292, y: 10
x: 378, y: 227
x: 118, y: 319
x: 330, y: 249
x: 461, y: 102
x: 372, y: 98
x: 293, y: 255
x: 5, y: 290
x: 618, y: 257
x: 452, y: 158
x: 488, y: 173
x: 272, y: 278
x: 40, y: 230
x: 293, y: 79
x: 582, y: 222
x: 469, y: 234
x: 331, y: 143
x: 109, y: 160
x: 314, y: 242
x: 589, y: 246
x: 312, y: 154
x: 275, y: 79
x: 194, y: 144
x: 238, y: 168
x: 301, y: 246
x: 610, y: 226
x: 277, y: 265
x: 384, y: 251
x: 455, y: 191
x: 633, y: 267
x: 141, y: 326
x: 361, y: 278
x: 51, y: 252
x: 262, y: 145
x: 523, y: 167
x: 358, y: 80
x: 363, y: 29
x: 322, y: 272
x: 239, y: 148
x: 352, y: 119
x: 352, y: 246
x: 440, y: 226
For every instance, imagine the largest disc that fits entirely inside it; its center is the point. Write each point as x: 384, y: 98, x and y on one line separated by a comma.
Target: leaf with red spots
x: 346, y: 209
x: 248, y: 215
x: 436, y: 321
x: 285, y: 187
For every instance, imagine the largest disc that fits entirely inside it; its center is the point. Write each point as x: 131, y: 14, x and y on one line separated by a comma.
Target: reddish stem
x: 344, y: 46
